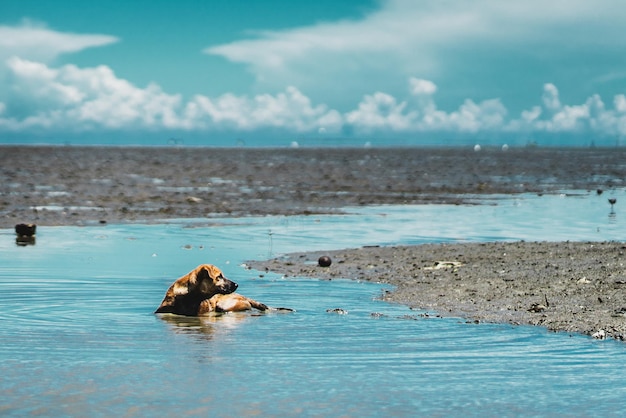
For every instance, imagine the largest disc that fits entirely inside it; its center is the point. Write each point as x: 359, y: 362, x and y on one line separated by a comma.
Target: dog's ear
x: 194, y: 279
x: 213, y: 272
x: 204, y: 281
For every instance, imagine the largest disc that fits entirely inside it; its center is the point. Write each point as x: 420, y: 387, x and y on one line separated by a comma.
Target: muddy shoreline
x: 575, y: 287
x: 566, y: 286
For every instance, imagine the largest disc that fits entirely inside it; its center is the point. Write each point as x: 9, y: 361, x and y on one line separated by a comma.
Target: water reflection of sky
x: 79, y: 336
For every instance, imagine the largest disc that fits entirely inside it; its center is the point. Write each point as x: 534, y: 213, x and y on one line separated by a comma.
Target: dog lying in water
x: 205, y: 290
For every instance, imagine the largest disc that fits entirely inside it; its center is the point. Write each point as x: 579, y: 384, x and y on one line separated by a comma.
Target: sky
x: 272, y: 72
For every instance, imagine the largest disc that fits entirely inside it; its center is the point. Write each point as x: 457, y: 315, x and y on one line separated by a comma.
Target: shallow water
x: 79, y: 338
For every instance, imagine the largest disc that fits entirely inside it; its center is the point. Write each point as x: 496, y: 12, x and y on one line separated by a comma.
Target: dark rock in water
x: 324, y: 261
x: 25, y: 230
x: 612, y: 201
x: 337, y: 311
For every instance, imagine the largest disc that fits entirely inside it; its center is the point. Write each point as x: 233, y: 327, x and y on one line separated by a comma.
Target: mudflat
x: 564, y: 286
x: 576, y: 287
x: 81, y: 185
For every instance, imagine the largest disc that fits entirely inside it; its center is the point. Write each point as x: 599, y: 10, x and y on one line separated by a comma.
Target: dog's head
x: 206, y: 280
x: 185, y: 294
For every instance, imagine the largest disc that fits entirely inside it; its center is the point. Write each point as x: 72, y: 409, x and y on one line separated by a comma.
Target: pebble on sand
x: 324, y: 261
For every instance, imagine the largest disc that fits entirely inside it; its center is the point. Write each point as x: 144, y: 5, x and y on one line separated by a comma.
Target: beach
x: 575, y: 287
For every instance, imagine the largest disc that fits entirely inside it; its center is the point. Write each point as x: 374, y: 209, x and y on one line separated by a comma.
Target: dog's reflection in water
x: 206, y: 326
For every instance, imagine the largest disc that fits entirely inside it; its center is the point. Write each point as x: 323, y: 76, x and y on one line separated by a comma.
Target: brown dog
x: 205, y: 290
x: 185, y: 294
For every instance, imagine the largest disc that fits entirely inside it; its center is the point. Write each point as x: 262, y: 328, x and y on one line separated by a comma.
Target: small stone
x: 324, y: 261
x: 537, y: 307
x: 599, y: 335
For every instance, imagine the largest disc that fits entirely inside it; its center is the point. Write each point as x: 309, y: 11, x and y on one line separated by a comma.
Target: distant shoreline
x: 77, y: 185
x: 467, y: 146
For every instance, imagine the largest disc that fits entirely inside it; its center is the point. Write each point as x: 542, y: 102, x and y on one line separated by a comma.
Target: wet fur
x: 186, y: 294
x: 204, y: 291
x: 232, y: 302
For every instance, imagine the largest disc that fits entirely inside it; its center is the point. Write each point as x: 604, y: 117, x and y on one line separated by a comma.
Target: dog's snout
x: 230, y: 285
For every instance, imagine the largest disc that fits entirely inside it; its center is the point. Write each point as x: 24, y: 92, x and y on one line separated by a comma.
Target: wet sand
x: 573, y: 287
x: 89, y: 185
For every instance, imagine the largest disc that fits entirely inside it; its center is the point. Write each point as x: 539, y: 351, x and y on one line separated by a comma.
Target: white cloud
x: 472, y: 117
x: 31, y: 45
x: 74, y: 99
x: 590, y: 117
x: 39, y: 96
x: 401, y: 39
x: 38, y: 43
x: 381, y: 111
x: 421, y: 87
x: 38, y: 83
x: 406, y: 37
x: 620, y: 103
x: 290, y: 110
x: 550, y: 97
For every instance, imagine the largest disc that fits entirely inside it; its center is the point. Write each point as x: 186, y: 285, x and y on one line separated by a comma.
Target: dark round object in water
x: 324, y: 261
x: 337, y: 311
x: 612, y: 200
x: 25, y: 230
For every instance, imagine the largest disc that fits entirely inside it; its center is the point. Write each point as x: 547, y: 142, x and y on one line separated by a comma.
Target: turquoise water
x: 78, y: 336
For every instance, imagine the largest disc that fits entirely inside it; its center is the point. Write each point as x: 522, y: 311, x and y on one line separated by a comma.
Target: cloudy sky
x: 386, y: 69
